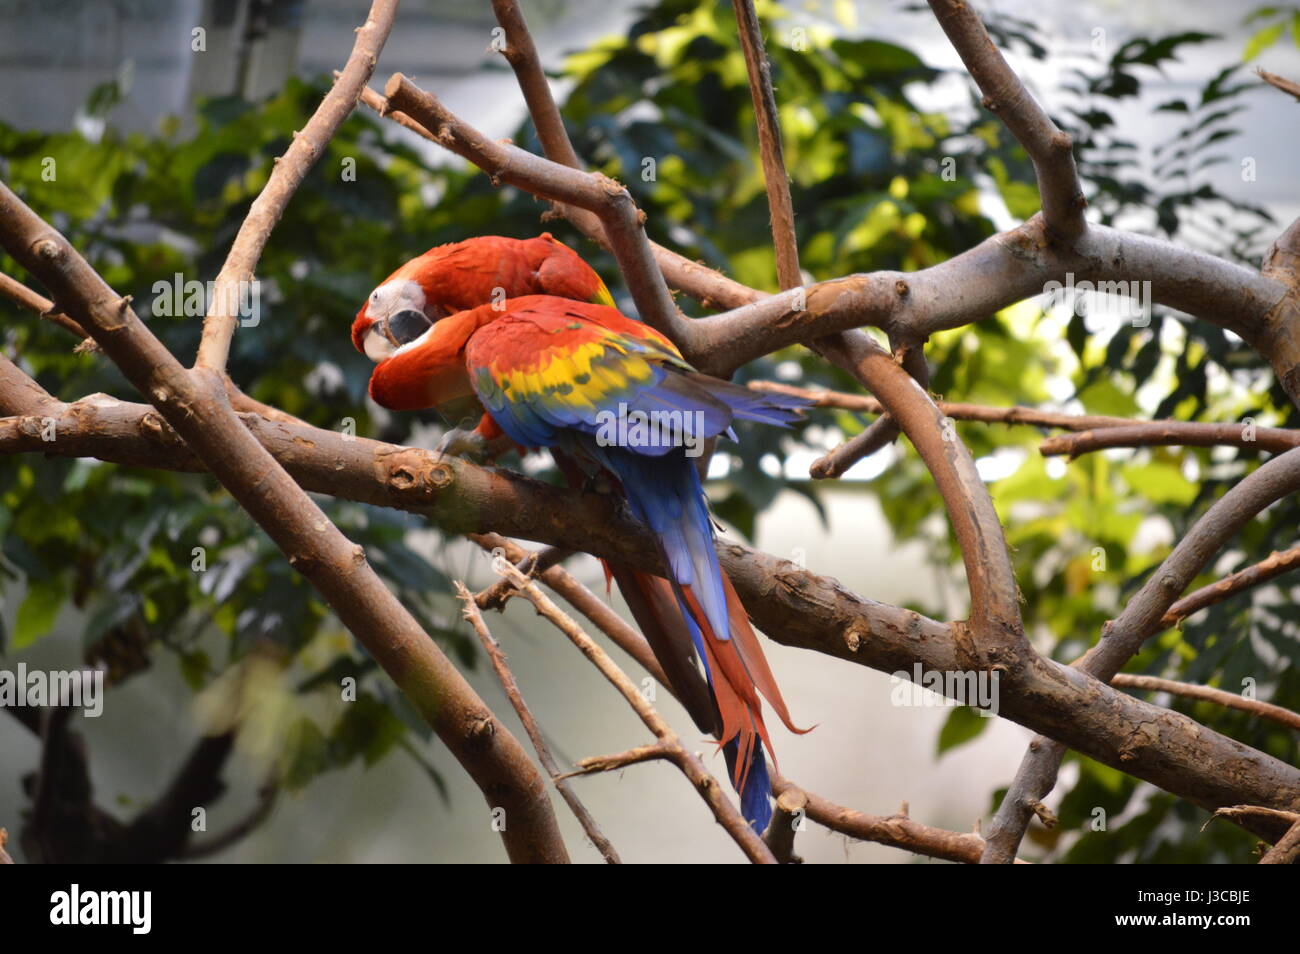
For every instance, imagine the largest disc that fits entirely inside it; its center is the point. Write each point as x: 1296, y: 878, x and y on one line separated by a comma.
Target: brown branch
x: 792, y: 605
x: 1230, y: 700
x: 19, y: 293
x: 1002, y: 270
x: 575, y: 594
x: 837, y: 462
x: 511, y: 687
x: 1282, y: 83
x: 1091, y: 431
x: 997, y: 640
x: 4, y: 855
x: 593, y: 192
x: 20, y: 395
x: 521, y: 54
x: 701, y: 282
x: 194, y: 405
x: 723, y: 810
x: 958, y: 411
x: 1287, y: 849
x: 1267, y: 569
x: 594, y: 764
x: 267, y: 796
x: 1006, y: 96
x: 768, y: 122
x: 897, y: 831
x: 791, y: 807
x: 308, y: 145
x: 1273, y: 440
x: 1238, y: 812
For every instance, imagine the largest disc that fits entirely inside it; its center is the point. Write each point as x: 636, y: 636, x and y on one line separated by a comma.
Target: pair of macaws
x: 528, y: 328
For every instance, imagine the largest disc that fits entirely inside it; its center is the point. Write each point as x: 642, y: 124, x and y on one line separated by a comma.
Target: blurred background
x: 162, y: 117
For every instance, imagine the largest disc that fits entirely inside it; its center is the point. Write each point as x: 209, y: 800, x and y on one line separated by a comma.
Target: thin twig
x: 574, y: 593
x: 1276, y: 564
x: 507, y: 678
x: 1273, y: 440
x: 1282, y: 83
x: 1229, y: 700
x: 19, y: 293
x: 723, y: 810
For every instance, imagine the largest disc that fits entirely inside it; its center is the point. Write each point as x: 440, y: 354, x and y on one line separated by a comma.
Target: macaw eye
x: 405, y: 326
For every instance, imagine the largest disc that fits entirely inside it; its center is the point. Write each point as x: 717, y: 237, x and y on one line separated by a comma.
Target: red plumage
x: 433, y: 370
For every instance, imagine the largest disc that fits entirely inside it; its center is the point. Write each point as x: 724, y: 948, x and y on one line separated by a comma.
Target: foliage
x: 877, y: 182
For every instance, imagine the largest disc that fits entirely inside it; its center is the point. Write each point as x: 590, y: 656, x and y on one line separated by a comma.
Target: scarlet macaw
x: 563, y: 373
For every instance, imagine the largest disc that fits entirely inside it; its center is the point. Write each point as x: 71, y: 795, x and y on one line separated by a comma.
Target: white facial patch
x: 378, y: 347
x: 391, y: 297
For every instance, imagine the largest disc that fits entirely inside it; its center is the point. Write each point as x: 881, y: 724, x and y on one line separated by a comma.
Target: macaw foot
x: 469, y: 444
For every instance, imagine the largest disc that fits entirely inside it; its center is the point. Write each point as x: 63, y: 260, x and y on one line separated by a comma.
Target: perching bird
x: 610, y: 394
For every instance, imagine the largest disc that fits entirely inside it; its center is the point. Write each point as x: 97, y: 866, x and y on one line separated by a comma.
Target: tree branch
x: 1142, y: 617
x: 792, y: 605
x: 290, y: 169
x: 594, y: 192
x: 193, y: 404
x: 770, y: 151
x: 1273, y: 440
x: 723, y: 810
x: 1005, y: 95
x: 1230, y: 700
x: 1275, y: 565
x: 507, y: 679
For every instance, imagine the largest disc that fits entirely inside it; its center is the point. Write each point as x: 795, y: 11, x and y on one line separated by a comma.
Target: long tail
x: 667, y: 495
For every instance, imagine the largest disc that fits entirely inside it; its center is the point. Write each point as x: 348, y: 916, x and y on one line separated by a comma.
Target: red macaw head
x: 397, y: 313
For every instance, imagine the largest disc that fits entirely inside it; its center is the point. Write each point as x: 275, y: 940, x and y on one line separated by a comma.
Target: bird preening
x: 529, y: 330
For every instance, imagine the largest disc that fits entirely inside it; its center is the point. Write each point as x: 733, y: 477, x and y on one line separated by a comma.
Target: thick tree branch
x: 194, y: 405
x: 792, y: 605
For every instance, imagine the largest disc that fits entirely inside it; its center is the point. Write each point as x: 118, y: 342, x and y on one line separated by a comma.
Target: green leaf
x: 963, y: 724
x: 1262, y: 41
x: 38, y: 611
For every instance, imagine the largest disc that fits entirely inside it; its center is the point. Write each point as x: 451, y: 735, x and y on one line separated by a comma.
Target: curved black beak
x: 405, y: 326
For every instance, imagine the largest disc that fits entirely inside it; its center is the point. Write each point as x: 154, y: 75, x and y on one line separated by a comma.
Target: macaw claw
x: 469, y: 444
